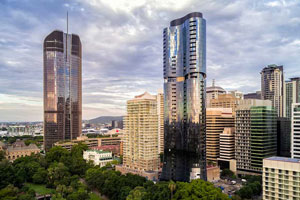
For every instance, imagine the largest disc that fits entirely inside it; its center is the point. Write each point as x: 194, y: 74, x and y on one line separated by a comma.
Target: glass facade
x: 263, y: 135
x: 62, y: 88
x: 184, y: 58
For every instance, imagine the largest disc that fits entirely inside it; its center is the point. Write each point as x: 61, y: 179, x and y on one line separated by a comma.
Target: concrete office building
x: 236, y: 94
x: 62, y: 88
x: 295, y: 135
x: 255, y: 135
x: 184, y: 60
x: 292, y: 95
x: 140, y: 148
x: 217, y: 119
x: 212, y: 92
x: 272, y: 86
x: 160, y: 112
x: 281, y: 177
x: 227, y: 145
x: 225, y: 101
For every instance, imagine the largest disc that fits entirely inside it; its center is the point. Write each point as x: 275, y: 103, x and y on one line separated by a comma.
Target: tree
x: 39, y: 176
x: 7, y: 175
x: 9, y: 193
x: 57, y: 154
x: 58, y: 174
x: 172, y: 188
x: 198, y: 189
x: 137, y: 193
x: 2, y: 155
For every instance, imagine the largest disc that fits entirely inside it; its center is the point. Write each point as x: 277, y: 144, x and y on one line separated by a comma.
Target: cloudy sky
x: 122, y: 47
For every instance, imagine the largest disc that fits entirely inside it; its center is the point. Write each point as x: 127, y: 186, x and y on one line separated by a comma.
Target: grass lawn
x: 40, y: 189
x: 94, y: 197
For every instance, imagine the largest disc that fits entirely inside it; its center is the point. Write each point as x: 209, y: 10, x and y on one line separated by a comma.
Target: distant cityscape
x: 186, y: 132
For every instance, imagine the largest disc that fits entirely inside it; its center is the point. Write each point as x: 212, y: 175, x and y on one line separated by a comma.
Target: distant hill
x: 105, y: 119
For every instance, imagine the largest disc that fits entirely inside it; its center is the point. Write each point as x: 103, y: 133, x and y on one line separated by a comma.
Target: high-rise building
x: 295, y: 135
x: 227, y: 145
x: 217, y: 119
x: 255, y: 135
x: 62, y: 88
x: 160, y: 112
x: 255, y: 95
x: 236, y: 94
x: 225, y: 101
x: 140, y: 138
x: 213, y: 92
x: 272, y: 84
x: 292, y: 95
x: 283, y: 137
x: 281, y: 178
x: 184, y: 57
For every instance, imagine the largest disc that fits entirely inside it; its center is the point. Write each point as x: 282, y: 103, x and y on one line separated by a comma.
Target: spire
x: 67, y: 22
x: 213, y: 83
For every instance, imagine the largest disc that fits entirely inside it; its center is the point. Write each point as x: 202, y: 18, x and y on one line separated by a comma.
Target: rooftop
x: 98, y: 151
x: 284, y: 159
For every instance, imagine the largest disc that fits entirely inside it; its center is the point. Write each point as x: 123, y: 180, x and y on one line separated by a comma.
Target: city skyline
x: 235, y: 41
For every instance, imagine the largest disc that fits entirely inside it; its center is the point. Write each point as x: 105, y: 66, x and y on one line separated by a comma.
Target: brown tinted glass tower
x: 62, y: 87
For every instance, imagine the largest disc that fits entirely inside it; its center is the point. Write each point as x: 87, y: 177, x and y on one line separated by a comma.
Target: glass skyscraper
x: 62, y: 87
x: 184, y: 57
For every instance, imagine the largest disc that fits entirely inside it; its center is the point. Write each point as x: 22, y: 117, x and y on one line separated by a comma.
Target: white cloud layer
x: 122, y: 47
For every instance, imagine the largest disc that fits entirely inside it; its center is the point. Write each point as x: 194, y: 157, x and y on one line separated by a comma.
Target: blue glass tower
x: 184, y: 57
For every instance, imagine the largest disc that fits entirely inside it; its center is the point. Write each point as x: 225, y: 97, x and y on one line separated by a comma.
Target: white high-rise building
x: 295, y: 136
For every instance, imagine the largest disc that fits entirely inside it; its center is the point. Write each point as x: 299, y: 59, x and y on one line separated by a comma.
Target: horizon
x: 121, y: 41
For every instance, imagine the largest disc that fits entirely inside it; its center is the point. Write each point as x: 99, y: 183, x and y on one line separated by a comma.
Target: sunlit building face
x: 184, y: 59
x: 62, y: 87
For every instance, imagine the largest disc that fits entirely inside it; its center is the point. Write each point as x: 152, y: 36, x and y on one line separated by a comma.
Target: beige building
x: 272, y: 86
x: 225, y: 101
x: 216, y: 120
x: 141, y: 138
x: 19, y: 149
x: 160, y: 112
x: 281, y: 178
x: 213, y: 173
x: 227, y: 147
x: 212, y: 92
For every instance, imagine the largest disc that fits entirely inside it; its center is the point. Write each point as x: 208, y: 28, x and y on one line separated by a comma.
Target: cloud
x: 122, y: 47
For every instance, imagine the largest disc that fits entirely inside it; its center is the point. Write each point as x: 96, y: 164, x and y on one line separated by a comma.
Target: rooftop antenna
x: 213, y: 83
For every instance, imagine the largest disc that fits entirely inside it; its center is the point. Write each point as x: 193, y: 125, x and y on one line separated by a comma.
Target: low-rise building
x: 281, y: 177
x: 98, y: 157
x: 19, y: 149
x: 213, y: 173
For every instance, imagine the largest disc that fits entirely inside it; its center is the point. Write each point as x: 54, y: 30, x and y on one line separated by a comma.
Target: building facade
x: 272, y: 86
x: 295, y: 135
x: 292, y: 95
x: 98, y: 157
x: 281, y: 177
x: 217, y: 119
x: 62, y: 88
x: 160, y: 112
x: 227, y: 145
x: 255, y: 135
x: 140, y: 149
x: 284, y: 136
x: 225, y: 101
x: 213, y: 92
x: 184, y: 58
x: 255, y: 95
x: 19, y: 150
